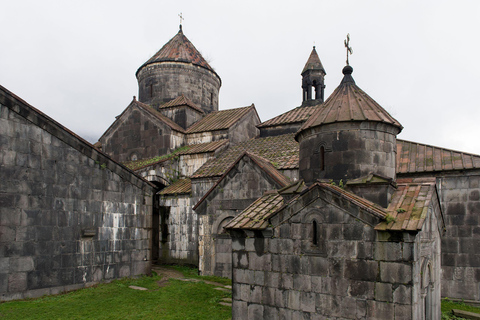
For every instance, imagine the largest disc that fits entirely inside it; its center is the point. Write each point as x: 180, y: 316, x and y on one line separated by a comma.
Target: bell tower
x: 313, y: 80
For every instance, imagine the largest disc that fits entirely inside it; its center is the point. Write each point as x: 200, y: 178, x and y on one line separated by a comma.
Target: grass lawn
x: 115, y: 300
x: 448, y: 305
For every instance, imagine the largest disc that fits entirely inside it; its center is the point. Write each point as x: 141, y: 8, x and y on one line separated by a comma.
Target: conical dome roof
x: 179, y: 49
x: 349, y: 103
x: 313, y: 62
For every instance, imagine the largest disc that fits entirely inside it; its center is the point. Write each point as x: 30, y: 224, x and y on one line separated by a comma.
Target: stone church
x: 319, y: 211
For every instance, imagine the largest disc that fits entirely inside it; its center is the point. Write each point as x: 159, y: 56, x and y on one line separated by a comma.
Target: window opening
x: 314, y: 233
x: 322, y: 158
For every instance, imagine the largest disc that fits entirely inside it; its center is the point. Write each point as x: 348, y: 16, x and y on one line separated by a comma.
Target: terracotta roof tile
x: 255, y: 216
x: 409, y: 205
x: 313, y: 62
x: 299, y: 114
x: 349, y: 103
x: 181, y: 101
x: 220, y: 120
x: 178, y: 187
x: 415, y: 157
x: 179, y: 49
x: 282, y: 152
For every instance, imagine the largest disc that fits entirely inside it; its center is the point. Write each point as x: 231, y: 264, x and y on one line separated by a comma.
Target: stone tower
x: 349, y: 137
x: 313, y: 76
x: 178, y: 68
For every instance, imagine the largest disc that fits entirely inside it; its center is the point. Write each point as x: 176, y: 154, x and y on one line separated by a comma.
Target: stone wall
x: 178, y: 230
x: 460, y: 196
x: 244, y: 129
x: 137, y: 136
x: 69, y: 215
x: 168, y: 80
x: 344, y: 151
x: 183, y: 116
x: 352, y: 272
x: 237, y: 190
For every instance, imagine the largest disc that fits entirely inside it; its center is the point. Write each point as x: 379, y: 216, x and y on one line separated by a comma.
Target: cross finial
x: 347, y: 45
x: 181, y: 19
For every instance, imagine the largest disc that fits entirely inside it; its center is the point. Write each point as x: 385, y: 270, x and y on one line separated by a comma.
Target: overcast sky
x: 76, y: 60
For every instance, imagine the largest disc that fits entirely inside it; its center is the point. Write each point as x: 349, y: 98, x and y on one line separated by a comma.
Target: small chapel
x: 321, y: 211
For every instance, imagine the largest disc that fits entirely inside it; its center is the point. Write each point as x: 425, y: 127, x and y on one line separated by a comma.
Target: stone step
x: 466, y: 314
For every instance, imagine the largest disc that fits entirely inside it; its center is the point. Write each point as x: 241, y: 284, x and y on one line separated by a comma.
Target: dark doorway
x: 155, y: 235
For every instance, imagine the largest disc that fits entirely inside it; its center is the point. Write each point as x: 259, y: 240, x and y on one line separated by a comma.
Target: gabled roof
x: 262, y: 163
x: 181, y: 186
x: 313, y: 62
x: 349, y: 103
x: 413, y: 157
x: 39, y: 119
x: 152, y: 112
x: 220, y: 120
x: 282, y: 152
x: 179, y: 49
x: 190, y: 149
x: 299, y: 114
x: 256, y: 215
x: 409, y: 205
x: 181, y: 101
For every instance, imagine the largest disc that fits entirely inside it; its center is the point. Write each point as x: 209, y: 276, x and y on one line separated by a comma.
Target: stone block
x: 270, y: 313
x: 395, y: 272
x: 361, y: 289
x: 361, y: 309
x: 21, y: 264
x: 256, y: 294
x: 388, y: 251
x: 348, y: 307
x: 364, y: 270
x: 239, y: 309
x: 255, y: 312
x: 269, y: 296
x: 259, y: 278
x: 377, y: 310
x: 307, y: 301
x: 402, y: 295
x: 403, y: 312
x: 383, y: 292
x: 273, y: 279
x: 17, y: 282
x: 302, y: 282
x: 293, y: 300
x: 286, y: 281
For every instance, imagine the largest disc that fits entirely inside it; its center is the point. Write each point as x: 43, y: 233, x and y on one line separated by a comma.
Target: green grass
x: 448, y: 305
x: 115, y: 300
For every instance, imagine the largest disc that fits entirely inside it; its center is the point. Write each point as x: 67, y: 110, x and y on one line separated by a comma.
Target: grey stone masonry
x: 350, y: 272
x: 69, y: 215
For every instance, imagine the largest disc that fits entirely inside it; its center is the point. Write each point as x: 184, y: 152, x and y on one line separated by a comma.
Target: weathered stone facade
x: 235, y: 191
x: 69, y: 215
x: 161, y: 82
x: 321, y: 258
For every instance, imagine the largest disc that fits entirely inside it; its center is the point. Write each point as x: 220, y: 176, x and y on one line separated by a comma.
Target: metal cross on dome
x: 181, y: 18
x: 347, y: 45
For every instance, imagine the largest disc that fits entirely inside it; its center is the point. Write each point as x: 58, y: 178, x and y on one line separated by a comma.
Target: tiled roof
x: 300, y: 114
x: 415, y: 157
x: 190, y: 149
x: 179, y: 49
x: 349, y: 103
x: 180, y: 101
x: 255, y: 216
x: 264, y: 164
x: 178, y: 187
x: 269, y: 169
x: 367, y: 205
x: 409, y: 205
x: 220, y: 120
x: 282, y: 152
x: 204, y: 147
x: 313, y: 62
